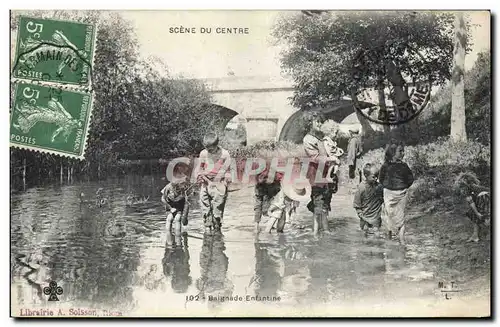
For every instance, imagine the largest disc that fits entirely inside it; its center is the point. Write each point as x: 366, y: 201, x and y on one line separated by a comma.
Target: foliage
x: 322, y: 50
x: 269, y: 150
x: 435, y: 119
x: 478, y: 99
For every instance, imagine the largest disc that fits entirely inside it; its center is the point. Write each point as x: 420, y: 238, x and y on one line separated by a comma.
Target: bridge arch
x: 264, y: 101
x: 294, y: 128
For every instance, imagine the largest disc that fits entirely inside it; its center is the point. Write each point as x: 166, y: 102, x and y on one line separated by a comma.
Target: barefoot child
x: 213, y: 191
x: 369, y: 199
x: 396, y: 177
x: 174, y: 199
x: 478, y: 201
x: 284, y: 203
x: 321, y: 192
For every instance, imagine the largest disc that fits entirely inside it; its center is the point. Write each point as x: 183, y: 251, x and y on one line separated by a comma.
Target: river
x: 119, y: 257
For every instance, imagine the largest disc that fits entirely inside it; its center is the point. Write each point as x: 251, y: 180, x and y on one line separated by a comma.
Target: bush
x: 269, y: 149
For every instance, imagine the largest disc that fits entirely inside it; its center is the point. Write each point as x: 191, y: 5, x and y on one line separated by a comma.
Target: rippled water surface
x: 120, y: 257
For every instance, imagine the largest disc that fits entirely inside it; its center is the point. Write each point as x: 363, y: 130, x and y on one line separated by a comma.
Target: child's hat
x: 297, y: 191
x: 338, y: 152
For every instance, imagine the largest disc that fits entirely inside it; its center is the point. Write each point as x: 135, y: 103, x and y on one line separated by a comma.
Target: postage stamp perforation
x: 35, y: 149
x: 87, y: 130
x: 61, y: 86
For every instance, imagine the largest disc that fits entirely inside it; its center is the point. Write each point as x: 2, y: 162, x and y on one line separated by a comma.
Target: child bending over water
x: 284, y: 203
x: 174, y: 199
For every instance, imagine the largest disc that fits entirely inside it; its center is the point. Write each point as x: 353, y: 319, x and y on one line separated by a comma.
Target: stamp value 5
x: 54, y: 51
x: 50, y: 119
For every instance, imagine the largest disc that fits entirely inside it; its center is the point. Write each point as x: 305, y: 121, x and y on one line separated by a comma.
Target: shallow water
x: 119, y: 257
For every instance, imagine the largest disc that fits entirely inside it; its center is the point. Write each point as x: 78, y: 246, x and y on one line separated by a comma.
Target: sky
x: 215, y: 55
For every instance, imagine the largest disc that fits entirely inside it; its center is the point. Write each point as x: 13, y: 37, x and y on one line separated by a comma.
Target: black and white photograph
x: 250, y: 163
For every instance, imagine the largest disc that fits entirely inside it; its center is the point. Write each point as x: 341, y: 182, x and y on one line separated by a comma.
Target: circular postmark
x: 395, y: 80
x: 52, y: 63
x: 53, y: 51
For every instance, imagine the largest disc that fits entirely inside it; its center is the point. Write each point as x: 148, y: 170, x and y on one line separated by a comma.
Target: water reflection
x: 99, y: 254
x: 176, y: 262
x: 213, y: 282
x: 268, y: 270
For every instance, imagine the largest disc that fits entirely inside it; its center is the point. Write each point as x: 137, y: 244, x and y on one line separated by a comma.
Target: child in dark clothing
x: 478, y: 201
x: 396, y: 177
x: 174, y: 199
x: 369, y: 199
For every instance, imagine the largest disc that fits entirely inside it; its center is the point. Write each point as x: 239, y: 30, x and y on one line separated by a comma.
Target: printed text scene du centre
x: 208, y: 30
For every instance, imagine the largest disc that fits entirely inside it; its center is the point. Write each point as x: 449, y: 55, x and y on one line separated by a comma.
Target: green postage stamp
x: 50, y: 119
x: 54, y: 51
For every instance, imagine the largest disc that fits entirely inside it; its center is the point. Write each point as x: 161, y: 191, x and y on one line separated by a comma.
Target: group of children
x: 381, y: 197
x: 384, y: 193
x: 213, y: 192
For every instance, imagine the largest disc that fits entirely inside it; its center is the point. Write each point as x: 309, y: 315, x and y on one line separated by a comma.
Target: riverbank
x: 436, y: 214
x: 466, y: 263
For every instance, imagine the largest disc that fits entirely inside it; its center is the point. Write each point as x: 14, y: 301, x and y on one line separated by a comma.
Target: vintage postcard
x: 307, y: 163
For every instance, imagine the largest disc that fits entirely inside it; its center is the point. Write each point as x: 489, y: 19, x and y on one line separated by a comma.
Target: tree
x: 332, y: 55
x: 458, y: 131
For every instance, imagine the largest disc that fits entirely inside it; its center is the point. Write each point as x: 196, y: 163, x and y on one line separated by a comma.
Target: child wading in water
x: 174, y: 198
x: 214, y: 182
x: 283, y: 204
x: 330, y: 130
x: 396, y: 177
x: 478, y: 201
x: 263, y: 193
x: 368, y: 200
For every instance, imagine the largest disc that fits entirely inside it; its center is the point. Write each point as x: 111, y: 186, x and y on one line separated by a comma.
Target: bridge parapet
x: 238, y: 84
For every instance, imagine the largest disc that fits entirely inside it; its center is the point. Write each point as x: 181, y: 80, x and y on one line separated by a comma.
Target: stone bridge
x: 264, y: 103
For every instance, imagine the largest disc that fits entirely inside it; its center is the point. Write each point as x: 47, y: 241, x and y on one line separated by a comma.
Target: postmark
x: 54, y: 51
x: 50, y: 119
x: 398, y: 92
